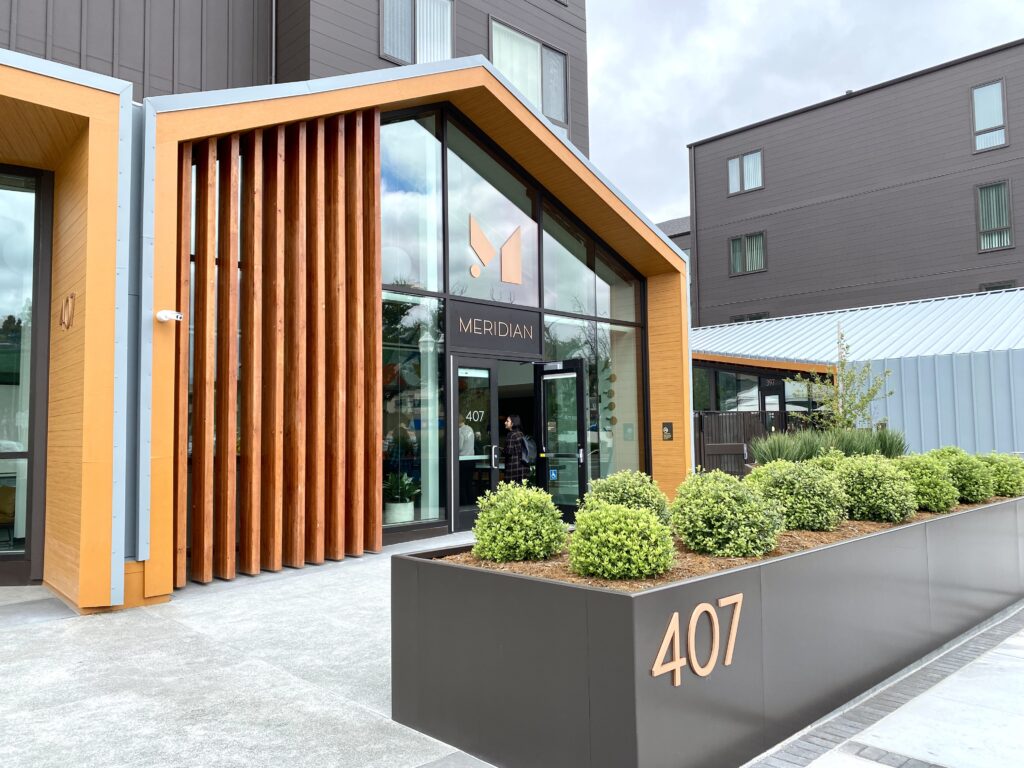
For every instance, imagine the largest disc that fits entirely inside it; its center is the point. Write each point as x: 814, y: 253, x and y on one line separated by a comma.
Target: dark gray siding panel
x: 161, y: 46
x: 867, y: 200
x: 343, y: 38
x: 293, y: 24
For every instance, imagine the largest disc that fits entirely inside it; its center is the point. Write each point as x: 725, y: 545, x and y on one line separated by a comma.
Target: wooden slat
x: 336, y: 340
x: 315, y: 343
x: 252, y: 357
x: 373, y: 530
x: 181, y: 366
x: 272, y: 411
x: 226, y: 461
x: 355, y: 443
x: 295, y: 347
x: 203, y: 365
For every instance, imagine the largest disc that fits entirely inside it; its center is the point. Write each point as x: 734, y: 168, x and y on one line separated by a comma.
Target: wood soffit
x: 34, y: 135
x: 493, y: 108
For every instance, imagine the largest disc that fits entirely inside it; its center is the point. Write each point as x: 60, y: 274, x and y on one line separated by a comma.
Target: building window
x: 1002, y: 285
x: 538, y: 71
x: 989, y: 116
x: 746, y: 253
x: 994, y: 228
x: 745, y: 173
x: 416, y: 31
x: 748, y: 317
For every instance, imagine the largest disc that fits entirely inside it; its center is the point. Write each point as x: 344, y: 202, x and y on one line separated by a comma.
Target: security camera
x: 168, y: 315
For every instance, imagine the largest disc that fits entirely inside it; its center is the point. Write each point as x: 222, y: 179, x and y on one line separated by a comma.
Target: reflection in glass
x: 561, y: 438
x: 17, y: 249
x: 413, y: 377
x: 701, y: 389
x: 411, y: 236
x: 569, y: 283
x: 475, y: 444
x: 617, y: 295
x: 737, y: 391
x: 503, y: 265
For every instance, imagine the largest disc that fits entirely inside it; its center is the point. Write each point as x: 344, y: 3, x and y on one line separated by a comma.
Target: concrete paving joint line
x: 841, y: 727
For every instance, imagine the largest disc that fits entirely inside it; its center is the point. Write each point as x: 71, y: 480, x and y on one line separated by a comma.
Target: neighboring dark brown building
x: 896, y: 192
x: 198, y: 45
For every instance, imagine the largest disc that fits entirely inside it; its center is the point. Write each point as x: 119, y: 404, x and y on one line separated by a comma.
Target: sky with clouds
x: 664, y: 73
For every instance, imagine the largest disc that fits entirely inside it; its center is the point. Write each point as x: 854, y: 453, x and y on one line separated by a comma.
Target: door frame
x: 27, y: 566
x: 467, y: 360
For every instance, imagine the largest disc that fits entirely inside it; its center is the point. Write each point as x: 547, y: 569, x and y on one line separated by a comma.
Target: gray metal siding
x: 867, y: 200
x: 975, y: 401
x: 159, y: 45
x: 344, y: 37
x: 293, y: 35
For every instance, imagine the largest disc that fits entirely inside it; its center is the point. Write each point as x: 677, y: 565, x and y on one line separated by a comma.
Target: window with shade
x: 994, y: 228
x: 745, y: 173
x: 538, y: 71
x: 746, y: 253
x: 989, y: 116
x: 416, y: 31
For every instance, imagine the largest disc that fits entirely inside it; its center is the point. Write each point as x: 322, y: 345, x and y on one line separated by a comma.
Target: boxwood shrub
x: 632, y: 489
x: 1007, y: 473
x: 811, y: 497
x: 972, y: 477
x: 933, y: 488
x: 877, y: 489
x: 517, y: 522
x: 613, y: 541
x: 717, y: 514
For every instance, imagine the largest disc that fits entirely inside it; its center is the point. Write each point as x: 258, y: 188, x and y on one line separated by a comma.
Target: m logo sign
x: 511, y: 253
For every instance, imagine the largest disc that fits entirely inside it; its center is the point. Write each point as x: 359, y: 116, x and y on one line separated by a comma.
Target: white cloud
x: 665, y: 74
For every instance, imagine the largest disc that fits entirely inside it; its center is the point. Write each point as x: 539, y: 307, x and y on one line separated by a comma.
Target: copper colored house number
x: 671, y: 642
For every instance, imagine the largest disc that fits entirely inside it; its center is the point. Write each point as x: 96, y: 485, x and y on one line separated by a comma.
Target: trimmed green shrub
x: 806, y: 444
x: 830, y: 459
x: 613, y: 541
x: 717, y: 514
x: 877, y: 489
x: 933, y: 488
x: 972, y: 477
x: 811, y: 497
x: 1007, y: 473
x: 632, y: 489
x: 517, y: 522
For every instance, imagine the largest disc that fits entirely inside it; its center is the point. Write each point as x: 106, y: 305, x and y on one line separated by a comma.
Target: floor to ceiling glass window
x: 511, y: 246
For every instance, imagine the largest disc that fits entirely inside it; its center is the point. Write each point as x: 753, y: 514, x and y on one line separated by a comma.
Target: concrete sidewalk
x: 287, y: 669
x: 963, y: 707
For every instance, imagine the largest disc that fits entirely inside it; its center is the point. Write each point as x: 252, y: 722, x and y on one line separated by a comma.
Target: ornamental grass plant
x: 806, y: 444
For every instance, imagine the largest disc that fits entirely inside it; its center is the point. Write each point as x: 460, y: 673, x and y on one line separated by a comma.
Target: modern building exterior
x: 897, y: 192
x: 166, y: 47
x: 955, y: 366
x: 403, y: 258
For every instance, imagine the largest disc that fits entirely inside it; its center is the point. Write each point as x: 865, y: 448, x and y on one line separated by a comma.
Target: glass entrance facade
x: 463, y: 227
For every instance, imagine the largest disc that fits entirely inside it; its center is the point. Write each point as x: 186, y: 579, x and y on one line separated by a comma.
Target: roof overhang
x: 764, y: 362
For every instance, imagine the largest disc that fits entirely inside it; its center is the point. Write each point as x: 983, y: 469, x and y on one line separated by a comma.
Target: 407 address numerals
x: 671, y: 643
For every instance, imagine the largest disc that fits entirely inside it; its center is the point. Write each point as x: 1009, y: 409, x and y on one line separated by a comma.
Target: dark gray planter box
x: 530, y: 673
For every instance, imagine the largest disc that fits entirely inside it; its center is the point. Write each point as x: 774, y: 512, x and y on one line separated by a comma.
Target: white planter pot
x: 398, y: 512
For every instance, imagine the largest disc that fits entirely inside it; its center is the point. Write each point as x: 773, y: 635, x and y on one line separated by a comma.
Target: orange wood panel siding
x: 372, y: 352
x: 204, y: 362
x: 336, y: 340
x: 287, y: 347
x: 226, y: 408
x: 181, y: 415
x: 315, y: 348
x: 355, y: 393
x: 252, y: 357
x: 295, y: 347
x: 272, y: 418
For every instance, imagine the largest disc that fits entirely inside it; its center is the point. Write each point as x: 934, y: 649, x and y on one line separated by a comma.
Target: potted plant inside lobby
x: 400, y: 492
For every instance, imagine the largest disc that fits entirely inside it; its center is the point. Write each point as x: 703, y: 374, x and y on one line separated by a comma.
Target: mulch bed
x: 688, y: 563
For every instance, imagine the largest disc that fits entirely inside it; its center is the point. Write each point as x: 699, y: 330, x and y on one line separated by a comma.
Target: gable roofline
x: 860, y: 92
x: 156, y: 105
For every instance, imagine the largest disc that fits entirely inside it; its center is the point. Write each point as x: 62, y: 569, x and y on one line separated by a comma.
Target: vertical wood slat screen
x: 287, y: 258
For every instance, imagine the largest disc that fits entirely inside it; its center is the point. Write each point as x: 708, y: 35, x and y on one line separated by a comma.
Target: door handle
x: 580, y: 455
x: 494, y: 457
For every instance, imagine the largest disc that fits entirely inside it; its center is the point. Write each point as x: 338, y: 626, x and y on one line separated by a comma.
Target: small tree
x: 846, y: 397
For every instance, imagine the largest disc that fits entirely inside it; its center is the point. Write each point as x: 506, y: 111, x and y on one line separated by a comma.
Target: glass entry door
x: 563, y: 454
x: 477, y: 452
